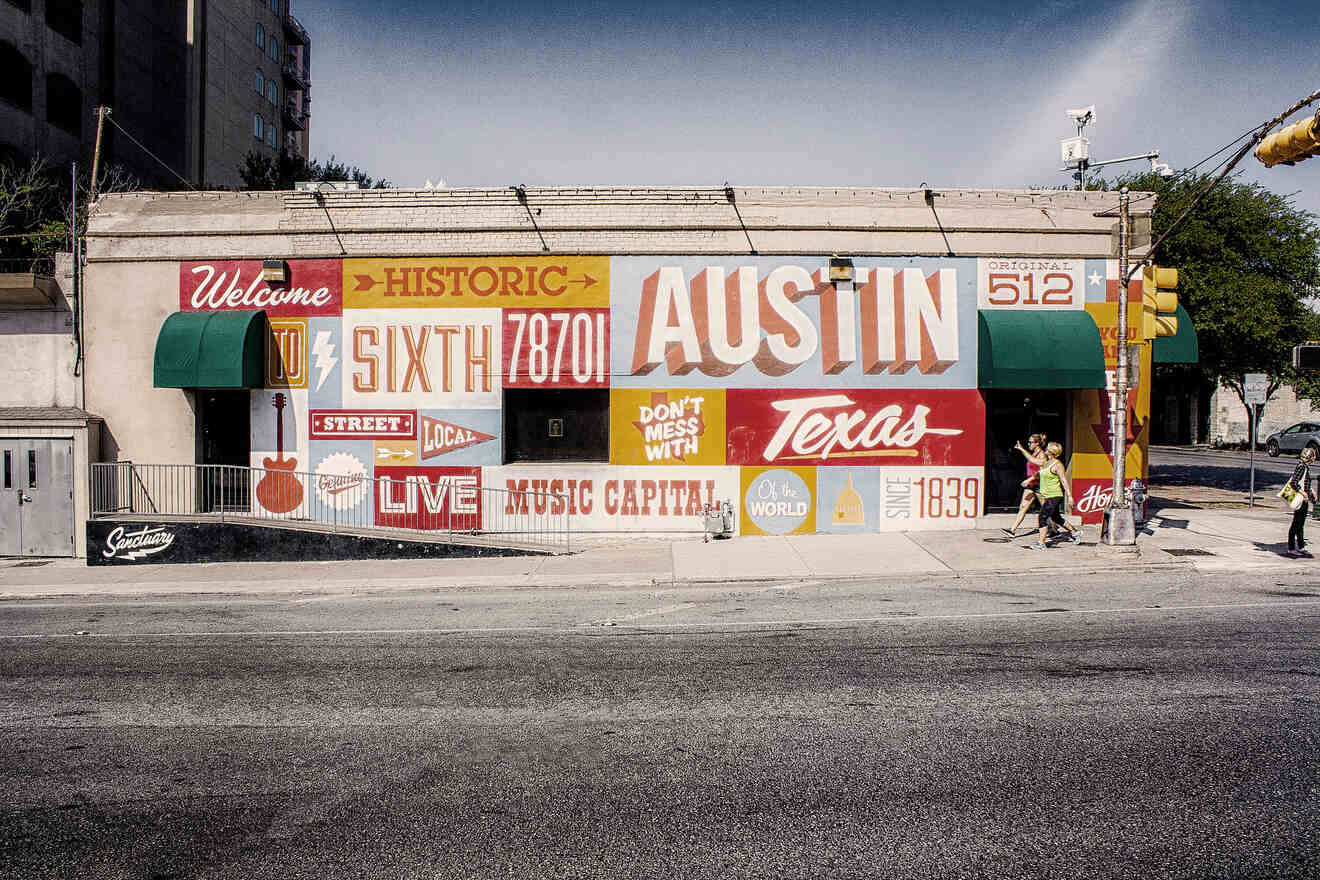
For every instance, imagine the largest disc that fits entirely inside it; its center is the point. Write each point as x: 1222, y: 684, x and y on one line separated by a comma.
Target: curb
x: 565, y: 582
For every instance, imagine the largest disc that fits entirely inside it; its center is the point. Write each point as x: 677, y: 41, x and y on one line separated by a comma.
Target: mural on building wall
x: 777, y: 501
x: 811, y: 406
x: 749, y: 322
x: 667, y: 426
x: 856, y: 426
x: 609, y: 497
x: 314, y: 288
x: 1091, y: 465
x: 1015, y: 283
x: 278, y: 422
x: 556, y: 348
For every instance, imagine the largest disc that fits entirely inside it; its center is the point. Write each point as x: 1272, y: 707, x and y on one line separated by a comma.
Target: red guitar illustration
x: 279, y: 490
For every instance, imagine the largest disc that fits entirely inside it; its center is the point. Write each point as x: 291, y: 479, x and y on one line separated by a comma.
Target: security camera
x: 1082, y: 115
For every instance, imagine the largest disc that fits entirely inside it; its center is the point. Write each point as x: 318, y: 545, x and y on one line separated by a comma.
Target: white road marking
x: 668, y: 609
x: 723, y: 624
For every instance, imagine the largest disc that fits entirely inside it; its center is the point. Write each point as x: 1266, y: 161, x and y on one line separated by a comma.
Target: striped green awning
x: 211, y: 350
x: 1048, y: 349
x: 1180, y: 348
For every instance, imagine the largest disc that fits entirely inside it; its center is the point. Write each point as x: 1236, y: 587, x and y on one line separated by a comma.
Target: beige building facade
x: 822, y: 359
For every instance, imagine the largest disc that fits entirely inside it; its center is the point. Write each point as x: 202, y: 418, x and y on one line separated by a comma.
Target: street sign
x: 1254, y: 386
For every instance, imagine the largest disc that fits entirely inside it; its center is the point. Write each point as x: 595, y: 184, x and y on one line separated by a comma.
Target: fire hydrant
x: 1137, y: 499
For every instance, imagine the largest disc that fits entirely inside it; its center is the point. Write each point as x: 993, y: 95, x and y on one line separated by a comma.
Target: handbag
x: 1291, y: 496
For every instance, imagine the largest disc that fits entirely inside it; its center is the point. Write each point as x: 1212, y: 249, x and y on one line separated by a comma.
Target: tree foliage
x: 261, y: 171
x: 1248, y: 264
x: 36, y: 207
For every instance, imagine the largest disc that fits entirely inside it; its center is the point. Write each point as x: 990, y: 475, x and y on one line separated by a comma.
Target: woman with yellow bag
x: 1296, y: 493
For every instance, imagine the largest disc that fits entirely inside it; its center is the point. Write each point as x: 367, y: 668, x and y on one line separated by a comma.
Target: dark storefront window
x: 1011, y: 417
x: 559, y: 425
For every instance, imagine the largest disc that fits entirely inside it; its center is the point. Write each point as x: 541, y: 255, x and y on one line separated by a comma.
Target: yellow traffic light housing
x: 1159, y: 302
x: 1291, y: 144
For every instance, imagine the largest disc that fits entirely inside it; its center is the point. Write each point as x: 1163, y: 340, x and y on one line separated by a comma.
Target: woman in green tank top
x: 1054, y: 486
x: 1050, y: 484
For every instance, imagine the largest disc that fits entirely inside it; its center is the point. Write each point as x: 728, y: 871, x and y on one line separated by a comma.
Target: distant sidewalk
x: 1196, y: 539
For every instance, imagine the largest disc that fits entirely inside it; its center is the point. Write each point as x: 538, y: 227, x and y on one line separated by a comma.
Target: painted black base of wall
x: 136, y: 542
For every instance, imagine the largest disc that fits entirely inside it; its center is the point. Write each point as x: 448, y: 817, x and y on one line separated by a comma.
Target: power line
x: 159, y: 160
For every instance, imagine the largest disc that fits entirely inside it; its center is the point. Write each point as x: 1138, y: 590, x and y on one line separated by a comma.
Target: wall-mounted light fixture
x: 841, y: 270
x: 274, y: 270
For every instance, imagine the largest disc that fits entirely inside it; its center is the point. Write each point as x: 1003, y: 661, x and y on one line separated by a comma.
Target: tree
x: 35, y: 208
x: 261, y: 171
x: 1248, y: 264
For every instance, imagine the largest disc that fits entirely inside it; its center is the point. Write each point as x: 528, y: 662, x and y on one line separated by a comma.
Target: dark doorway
x: 556, y: 425
x: 224, y: 446
x: 1012, y: 416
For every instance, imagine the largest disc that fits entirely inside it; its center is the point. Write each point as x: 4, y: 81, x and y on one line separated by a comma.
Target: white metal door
x: 36, y: 504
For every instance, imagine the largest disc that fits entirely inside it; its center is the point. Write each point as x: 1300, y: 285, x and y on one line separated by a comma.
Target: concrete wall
x: 1228, y: 417
x: 126, y: 305
x: 968, y: 223
x: 37, y: 346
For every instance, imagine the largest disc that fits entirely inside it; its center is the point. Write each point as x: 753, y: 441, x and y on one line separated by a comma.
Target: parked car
x: 1294, y: 439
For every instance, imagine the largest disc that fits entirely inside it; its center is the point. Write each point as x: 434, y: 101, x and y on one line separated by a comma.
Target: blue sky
x: 847, y: 94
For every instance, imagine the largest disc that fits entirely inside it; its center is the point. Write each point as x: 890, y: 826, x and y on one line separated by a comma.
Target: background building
x: 198, y: 84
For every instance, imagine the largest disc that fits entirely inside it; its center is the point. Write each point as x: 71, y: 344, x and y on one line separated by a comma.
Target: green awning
x: 1180, y: 348
x: 211, y: 350
x: 1050, y: 349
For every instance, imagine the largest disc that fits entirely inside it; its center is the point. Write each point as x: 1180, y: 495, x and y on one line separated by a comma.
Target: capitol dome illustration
x: 848, y: 507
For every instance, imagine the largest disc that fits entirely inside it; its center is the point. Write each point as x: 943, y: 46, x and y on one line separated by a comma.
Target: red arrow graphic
x: 365, y: 282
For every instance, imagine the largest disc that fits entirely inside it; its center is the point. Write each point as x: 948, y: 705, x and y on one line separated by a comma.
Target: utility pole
x: 1120, y: 527
x: 101, y: 113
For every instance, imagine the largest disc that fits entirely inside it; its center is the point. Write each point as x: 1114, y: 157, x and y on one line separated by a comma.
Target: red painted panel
x: 556, y: 348
x: 1091, y: 497
x: 428, y: 498
x: 850, y: 426
x: 315, y: 287
x: 358, y: 424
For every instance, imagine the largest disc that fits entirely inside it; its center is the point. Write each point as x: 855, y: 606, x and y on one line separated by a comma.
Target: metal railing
x: 418, y: 505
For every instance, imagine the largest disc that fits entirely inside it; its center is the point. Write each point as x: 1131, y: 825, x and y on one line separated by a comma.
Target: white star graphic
x: 1096, y: 278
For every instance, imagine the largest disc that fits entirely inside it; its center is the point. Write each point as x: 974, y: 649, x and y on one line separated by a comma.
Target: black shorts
x: 1051, y: 510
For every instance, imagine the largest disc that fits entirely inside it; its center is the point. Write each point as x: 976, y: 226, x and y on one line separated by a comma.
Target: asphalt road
x: 978, y: 728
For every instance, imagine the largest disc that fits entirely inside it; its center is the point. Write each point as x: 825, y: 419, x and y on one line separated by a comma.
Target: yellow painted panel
x: 777, y: 500
x: 395, y: 452
x: 667, y: 426
x: 1091, y: 443
x: 467, y: 282
x: 286, y: 353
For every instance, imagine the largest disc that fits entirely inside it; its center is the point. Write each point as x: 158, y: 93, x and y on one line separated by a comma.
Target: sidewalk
x: 1192, y: 539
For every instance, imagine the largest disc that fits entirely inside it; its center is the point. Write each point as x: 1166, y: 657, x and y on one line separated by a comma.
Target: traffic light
x: 1159, y: 302
x: 1291, y: 144
x: 1306, y: 357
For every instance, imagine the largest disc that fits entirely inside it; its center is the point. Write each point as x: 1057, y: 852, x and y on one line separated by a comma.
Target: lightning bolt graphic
x: 325, y: 361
